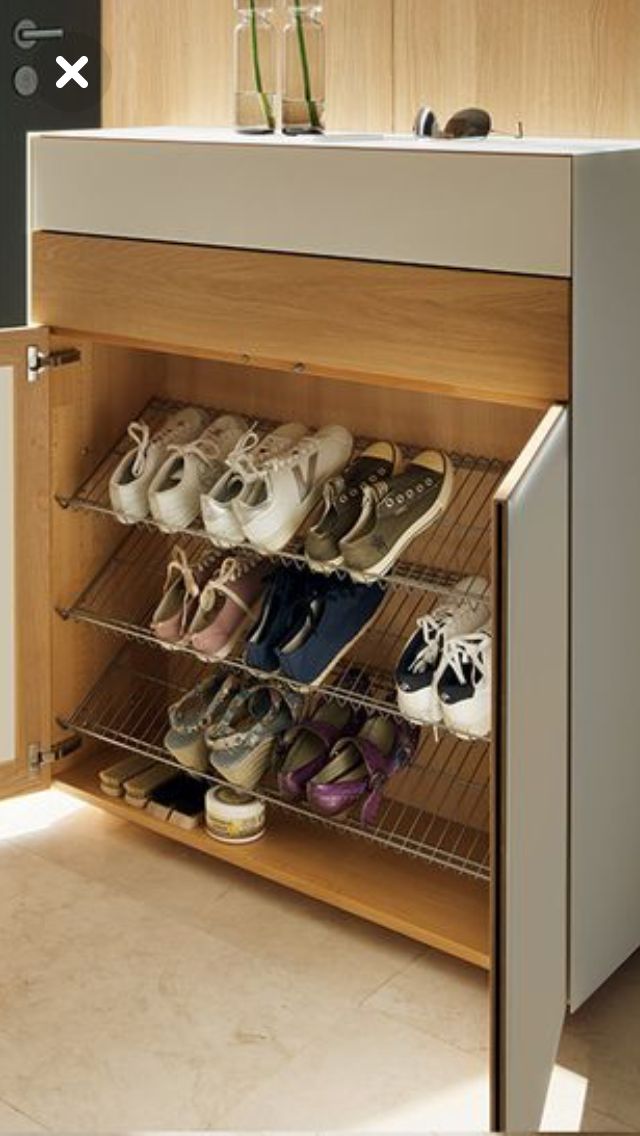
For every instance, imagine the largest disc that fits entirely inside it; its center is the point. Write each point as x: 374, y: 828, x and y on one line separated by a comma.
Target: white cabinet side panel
x: 532, y: 768
x: 471, y: 210
x: 605, y: 845
x: 7, y: 570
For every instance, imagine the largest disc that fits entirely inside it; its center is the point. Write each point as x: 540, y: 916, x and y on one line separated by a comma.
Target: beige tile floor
x: 146, y: 988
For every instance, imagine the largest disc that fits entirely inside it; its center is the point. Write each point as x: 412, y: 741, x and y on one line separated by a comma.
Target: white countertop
x: 496, y: 144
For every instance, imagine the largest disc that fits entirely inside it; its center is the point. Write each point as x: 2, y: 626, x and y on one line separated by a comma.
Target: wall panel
x: 562, y: 66
x: 173, y: 62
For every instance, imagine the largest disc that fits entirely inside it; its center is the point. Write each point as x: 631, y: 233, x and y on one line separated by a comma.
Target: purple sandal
x: 360, y: 767
x: 306, y: 748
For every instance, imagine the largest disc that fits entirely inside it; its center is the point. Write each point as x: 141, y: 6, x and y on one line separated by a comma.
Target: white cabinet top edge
x: 477, y: 206
x: 496, y: 144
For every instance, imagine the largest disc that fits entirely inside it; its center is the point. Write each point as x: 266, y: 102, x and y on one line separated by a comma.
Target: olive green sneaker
x: 343, y: 501
x: 394, y: 513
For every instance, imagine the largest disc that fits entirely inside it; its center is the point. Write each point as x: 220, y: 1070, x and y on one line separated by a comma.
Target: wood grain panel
x: 441, y: 909
x: 564, y: 68
x: 171, y: 62
x: 473, y: 335
x: 183, y: 72
x: 412, y: 417
x: 359, y: 65
x: 91, y: 406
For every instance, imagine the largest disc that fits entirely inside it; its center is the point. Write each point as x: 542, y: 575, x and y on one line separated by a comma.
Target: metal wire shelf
x: 456, y: 547
x: 124, y: 594
x: 437, y: 810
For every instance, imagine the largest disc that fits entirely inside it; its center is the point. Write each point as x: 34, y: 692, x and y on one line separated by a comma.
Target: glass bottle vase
x: 303, y: 95
x: 256, y: 67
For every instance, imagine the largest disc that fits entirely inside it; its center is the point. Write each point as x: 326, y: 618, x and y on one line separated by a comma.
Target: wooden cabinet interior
x: 91, y: 404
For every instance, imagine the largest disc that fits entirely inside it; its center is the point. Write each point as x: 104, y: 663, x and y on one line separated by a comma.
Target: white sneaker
x: 244, y: 464
x: 131, y: 481
x: 191, y: 470
x: 421, y: 664
x: 464, y: 686
x: 278, y: 498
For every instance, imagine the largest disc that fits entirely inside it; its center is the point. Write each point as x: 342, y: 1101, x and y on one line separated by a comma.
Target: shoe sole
x: 376, y: 571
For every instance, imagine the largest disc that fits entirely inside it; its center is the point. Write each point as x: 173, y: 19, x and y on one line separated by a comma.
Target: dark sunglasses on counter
x: 470, y: 123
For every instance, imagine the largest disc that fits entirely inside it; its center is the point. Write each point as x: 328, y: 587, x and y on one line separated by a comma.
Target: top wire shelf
x: 456, y: 547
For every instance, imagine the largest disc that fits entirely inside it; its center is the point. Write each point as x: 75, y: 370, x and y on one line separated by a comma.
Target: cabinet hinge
x: 39, y: 363
x: 39, y: 756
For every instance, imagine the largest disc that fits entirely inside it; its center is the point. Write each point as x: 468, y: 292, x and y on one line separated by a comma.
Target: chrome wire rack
x: 436, y: 810
x: 125, y: 593
x: 456, y: 547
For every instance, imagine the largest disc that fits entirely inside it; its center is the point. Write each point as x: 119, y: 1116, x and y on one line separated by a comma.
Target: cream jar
x: 233, y: 817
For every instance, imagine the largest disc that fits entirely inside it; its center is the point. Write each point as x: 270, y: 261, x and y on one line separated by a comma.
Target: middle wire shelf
x: 124, y: 594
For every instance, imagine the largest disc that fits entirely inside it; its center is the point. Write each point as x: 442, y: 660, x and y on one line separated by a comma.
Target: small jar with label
x: 256, y: 67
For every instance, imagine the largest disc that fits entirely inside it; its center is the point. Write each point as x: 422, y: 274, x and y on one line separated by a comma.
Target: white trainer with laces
x: 191, y: 470
x: 279, y: 496
x: 131, y: 480
x: 465, y: 684
x: 421, y: 664
x: 244, y: 463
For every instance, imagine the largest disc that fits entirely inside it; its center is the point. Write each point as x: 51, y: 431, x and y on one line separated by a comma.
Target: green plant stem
x: 314, y: 116
x: 257, y: 70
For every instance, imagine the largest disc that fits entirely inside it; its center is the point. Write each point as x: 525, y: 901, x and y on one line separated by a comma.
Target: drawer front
x: 496, y: 212
x: 467, y: 334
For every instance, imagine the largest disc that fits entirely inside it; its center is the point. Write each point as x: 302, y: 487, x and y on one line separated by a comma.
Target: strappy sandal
x: 193, y: 715
x: 305, y: 749
x: 241, y: 749
x: 360, y: 767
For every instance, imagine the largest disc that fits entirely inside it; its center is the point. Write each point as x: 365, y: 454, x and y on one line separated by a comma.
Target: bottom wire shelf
x: 437, y: 810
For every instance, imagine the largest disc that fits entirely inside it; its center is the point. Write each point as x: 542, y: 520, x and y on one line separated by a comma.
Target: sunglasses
x: 470, y: 123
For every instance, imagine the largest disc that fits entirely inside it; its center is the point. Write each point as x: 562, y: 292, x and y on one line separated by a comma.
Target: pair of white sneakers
x: 272, y: 484
x: 444, y: 674
x: 167, y: 472
x: 247, y: 487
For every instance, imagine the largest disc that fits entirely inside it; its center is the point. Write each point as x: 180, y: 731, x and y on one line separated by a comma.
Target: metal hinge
x: 38, y: 362
x: 39, y: 756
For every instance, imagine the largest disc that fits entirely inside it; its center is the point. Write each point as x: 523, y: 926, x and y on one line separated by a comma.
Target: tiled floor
x: 144, y: 987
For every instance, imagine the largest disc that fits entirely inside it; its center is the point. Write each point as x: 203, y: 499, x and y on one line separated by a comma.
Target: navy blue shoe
x: 334, y: 621
x: 283, y: 612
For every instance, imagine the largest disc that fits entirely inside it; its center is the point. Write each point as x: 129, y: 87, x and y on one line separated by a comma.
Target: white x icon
x: 72, y: 71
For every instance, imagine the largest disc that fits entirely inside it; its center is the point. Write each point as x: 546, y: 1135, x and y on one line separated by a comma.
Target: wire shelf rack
x: 456, y: 547
x: 436, y: 810
x: 124, y: 594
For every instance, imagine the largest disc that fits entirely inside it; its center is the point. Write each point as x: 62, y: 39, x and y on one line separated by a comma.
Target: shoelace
x: 208, y: 448
x: 468, y: 651
x: 253, y: 456
x: 432, y: 627
x: 179, y: 566
x: 140, y: 433
x: 231, y: 571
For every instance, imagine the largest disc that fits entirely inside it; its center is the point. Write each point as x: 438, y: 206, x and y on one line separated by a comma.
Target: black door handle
x: 27, y: 34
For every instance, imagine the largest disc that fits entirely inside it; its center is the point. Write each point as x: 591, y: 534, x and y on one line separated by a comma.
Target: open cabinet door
x: 25, y: 566
x: 531, y: 775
